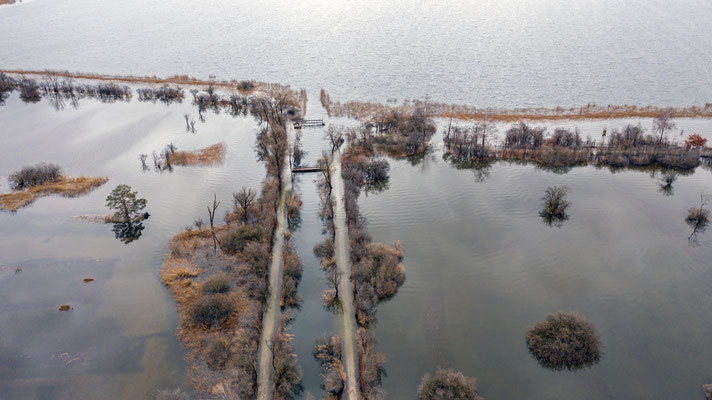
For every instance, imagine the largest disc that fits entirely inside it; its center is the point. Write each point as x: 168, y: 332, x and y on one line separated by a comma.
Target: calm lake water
x: 481, y: 265
x: 506, y: 53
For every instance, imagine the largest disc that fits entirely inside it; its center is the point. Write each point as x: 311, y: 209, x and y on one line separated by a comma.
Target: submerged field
x: 481, y: 265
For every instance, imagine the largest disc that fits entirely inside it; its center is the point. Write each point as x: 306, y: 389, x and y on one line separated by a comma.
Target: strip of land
x: 366, y: 110
x: 270, y: 318
x: 341, y: 252
x: 64, y: 186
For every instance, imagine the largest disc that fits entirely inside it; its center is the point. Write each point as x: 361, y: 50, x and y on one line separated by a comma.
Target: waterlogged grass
x: 64, y: 186
x: 210, y: 155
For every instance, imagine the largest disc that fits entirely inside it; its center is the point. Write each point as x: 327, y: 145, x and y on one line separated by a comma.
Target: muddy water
x: 119, y: 340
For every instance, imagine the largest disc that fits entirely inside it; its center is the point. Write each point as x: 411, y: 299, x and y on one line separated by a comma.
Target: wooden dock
x: 305, y: 169
x: 308, y: 123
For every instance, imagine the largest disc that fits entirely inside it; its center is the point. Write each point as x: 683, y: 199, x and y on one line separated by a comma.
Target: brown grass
x: 366, y: 110
x: 3, y: 2
x: 67, y: 187
x: 211, y: 155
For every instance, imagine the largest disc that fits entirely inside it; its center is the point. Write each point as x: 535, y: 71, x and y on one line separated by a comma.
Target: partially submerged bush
x: 564, y: 340
x: 211, y: 310
x: 327, y: 351
x: 216, y: 284
x: 447, y: 384
x: 555, y: 205
x: 29, y: 91
x: 34, y: 176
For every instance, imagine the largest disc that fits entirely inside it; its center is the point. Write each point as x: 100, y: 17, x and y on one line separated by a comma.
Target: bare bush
x: 29, y: 91
x: 327, y: 351
x: 211, y: 310
x: 165, y: 94
x: 35, y: 175
x: 447, y: 384
x: 555, y: 205
x: 564, y: 340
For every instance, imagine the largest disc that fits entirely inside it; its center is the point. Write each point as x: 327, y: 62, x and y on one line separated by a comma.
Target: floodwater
x: 505, y: 53
x: 481, y: 266
x: 119, y: 340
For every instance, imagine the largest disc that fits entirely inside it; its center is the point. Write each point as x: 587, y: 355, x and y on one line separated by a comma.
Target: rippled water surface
x: 507, y: 53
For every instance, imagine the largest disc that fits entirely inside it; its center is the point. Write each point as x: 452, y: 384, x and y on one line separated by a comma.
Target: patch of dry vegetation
x: 564, y: 340
x: 63, y: 186
x: 365, y: 110
x: 210, y: 155
x: 447, y: 384
x: 327, y: 352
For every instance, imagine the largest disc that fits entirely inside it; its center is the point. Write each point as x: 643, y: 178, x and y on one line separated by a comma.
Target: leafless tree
x: 297, y: 151
x: 663, y: 123
x: 143, y: 158
x: 244, y: 200
x: 666, y: 181
x: 211, y: 214
x: 698, y: 218
x: 335, y: 137
x: 272, y: 147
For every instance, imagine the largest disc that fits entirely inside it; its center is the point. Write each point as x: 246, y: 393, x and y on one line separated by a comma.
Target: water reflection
x: 127, y: 232
x: 555, y: 205
x: 666, y: 181
x: 698, y: 219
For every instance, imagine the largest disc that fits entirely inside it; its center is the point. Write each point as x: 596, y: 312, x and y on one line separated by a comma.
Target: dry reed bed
x: 210, y: 155
x: 64, y: 186
x: 365, y: 110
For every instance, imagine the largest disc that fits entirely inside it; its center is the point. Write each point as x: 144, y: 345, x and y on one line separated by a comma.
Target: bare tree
x: 335, y: 137
x: 663, y: 124
x: 698, y: 218
x: 272, y: 147
x: 297, y: 151
x: 244, y: 200
x: 211, y: 215
x: 143, y: 158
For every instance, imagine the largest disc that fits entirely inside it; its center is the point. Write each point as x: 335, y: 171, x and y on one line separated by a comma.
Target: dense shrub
x: 287, y: 372
x: 246, y: 85
x: 327, y: 351
x: 564, y: 340
x: 7, y: 85
x: 447, y: 384
x: 555, y: 203
x: 216, y: 284
x: 218, y: 354
x: 235, y: 240
x: 35, y: 175
x: 211, y: 310
x: 29, y: 91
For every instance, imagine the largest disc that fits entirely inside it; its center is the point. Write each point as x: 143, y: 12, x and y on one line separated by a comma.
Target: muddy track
x: 270, y: 318
x: 343, y: 263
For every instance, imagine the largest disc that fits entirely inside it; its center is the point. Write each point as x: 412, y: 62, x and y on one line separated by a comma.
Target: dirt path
x: 270, y: 318
x: 343, y: 263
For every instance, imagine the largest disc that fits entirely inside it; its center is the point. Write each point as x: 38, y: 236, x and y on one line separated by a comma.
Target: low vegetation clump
x: 555, y: 205
x: 447, y: 384
x: 403, y: 132
x: 218, y: 354
x: 35, y: 175
x: 44, y: 180
x: 210, y: 155
x: 707, y: 390
x: 211, y: 311
x: 216, y: 284
x: 327, y: 352
x: 564, y: 340
x: 165, y: 94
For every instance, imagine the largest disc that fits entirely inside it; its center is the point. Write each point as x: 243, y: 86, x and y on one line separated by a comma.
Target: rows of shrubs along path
x: 341, y: 252
x: 270, y: 318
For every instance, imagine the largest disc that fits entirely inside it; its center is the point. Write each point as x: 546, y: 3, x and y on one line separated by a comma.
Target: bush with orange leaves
x: 695, y: 140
